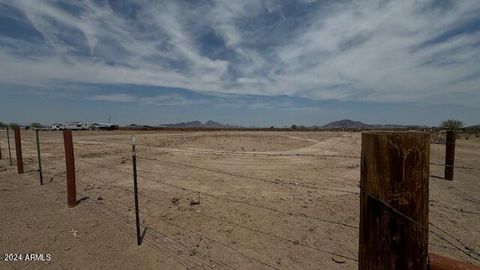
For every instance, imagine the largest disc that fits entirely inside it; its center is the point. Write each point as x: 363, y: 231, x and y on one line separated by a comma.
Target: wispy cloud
x: 372, y: 50
x: 163, y: 99
x: 114, y: 98
x: 226, y: 101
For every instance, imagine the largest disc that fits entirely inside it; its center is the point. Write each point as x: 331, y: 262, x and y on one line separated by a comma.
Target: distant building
x: 103, y: 126
x: 141, y: 127
x: 70, y: 126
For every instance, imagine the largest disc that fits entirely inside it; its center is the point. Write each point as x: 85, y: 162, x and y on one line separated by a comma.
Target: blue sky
x: 253, y: 63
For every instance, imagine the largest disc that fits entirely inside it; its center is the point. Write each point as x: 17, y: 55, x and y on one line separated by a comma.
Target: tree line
x: 14, y: 125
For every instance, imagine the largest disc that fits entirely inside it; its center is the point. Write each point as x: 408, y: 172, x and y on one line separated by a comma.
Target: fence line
x: 462, y: 247
x: 456, y: 247
x: 287, y: 213
x: 195, y: 191
x: 270, y: 181
x: 464, y: 250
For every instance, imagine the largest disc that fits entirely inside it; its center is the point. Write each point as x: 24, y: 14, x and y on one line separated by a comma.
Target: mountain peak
x: 346, y: 123
x: 198, y: 124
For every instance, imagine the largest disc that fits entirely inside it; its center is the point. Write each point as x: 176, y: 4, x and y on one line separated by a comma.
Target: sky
x: 245, y: 62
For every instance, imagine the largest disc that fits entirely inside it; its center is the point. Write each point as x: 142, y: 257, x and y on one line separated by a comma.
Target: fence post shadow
x: 437, y: 177
x: 143, y: 234
x: 84, y: 198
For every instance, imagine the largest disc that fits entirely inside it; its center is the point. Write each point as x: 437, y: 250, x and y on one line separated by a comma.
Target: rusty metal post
x: 135, y: 191
x: 449, y: 154
x: 39, y: 158
x: 394, y: 201
x: 9, y: 150
x: 70, y: 163
x: 18, y: 150
x: 437, y: 262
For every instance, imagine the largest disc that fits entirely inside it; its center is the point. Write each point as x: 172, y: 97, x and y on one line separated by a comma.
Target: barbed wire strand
x: 393, y: 209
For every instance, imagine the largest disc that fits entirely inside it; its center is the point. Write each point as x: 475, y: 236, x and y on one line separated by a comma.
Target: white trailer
x: 70, y: 126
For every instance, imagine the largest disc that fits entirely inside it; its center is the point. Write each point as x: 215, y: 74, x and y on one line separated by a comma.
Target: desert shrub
x: 452, y: 124
x: 36, y: 125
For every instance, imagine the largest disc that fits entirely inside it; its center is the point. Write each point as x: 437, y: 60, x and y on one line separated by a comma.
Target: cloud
x: 171, y: 100
x: 168, y: 99
x: 147, y: 96
x: 114, y: 98
x: 400, y: 51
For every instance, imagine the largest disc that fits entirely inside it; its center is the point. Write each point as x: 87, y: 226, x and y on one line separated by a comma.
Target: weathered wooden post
x: 1, y: 152
x: 70, y: 162
x: 450, y: 154
x: 9, y: 150
x: 18, y: 150
x: 394, y: 201
x: 40, y: 173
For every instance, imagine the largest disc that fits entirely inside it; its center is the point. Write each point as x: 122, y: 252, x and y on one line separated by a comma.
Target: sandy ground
x: 214, y: 200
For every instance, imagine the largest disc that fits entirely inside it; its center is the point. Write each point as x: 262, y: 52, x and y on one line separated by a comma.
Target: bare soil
x: 214, y: 200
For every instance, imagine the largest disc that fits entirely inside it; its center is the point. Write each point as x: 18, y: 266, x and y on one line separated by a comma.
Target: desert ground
x: 213, y: 200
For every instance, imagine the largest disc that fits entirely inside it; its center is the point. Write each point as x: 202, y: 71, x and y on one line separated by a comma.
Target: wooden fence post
x: 394, y: 201
x: 18, y: 150
x: 450, y: 154
x: 9, y: 151
x: 70, y: 163
x: 40, y: 172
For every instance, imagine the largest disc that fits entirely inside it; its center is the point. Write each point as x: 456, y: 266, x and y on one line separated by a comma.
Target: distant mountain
x: 474, y: 126
x: 347, y: 123
x: 198, y: 124
x: 213, y: 124
x: 193, y: 124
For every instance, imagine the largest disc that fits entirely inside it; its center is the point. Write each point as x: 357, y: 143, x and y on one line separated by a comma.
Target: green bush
x: 452, y: 124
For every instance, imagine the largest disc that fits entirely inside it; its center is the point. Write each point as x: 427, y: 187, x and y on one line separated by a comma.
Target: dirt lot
x: 214, y: 200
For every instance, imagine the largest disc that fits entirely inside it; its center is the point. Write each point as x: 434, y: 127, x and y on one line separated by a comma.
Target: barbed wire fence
x: 172, y: 248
